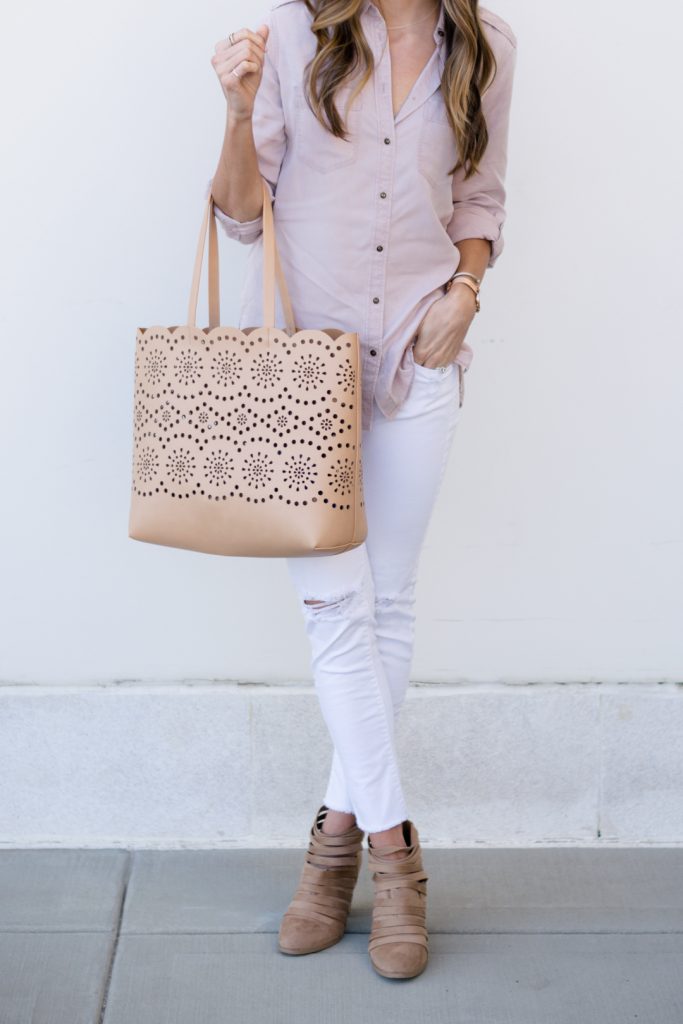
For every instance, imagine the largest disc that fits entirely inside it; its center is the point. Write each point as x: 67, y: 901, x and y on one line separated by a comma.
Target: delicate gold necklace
x: 407, y: 24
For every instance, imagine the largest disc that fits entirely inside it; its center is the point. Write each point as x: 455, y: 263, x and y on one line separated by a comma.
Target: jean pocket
x: 433, y: 372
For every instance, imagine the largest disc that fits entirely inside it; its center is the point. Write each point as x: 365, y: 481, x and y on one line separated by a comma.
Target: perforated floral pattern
x: 224, y: 415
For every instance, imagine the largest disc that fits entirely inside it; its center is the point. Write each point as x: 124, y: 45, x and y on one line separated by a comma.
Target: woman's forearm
x: 474, y: 255
x: 236, y: 187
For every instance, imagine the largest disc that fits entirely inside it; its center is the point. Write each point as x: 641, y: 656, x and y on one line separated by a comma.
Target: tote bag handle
x: 271, y: 269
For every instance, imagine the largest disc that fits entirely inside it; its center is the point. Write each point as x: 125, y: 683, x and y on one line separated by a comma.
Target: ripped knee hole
x: 333, y: 603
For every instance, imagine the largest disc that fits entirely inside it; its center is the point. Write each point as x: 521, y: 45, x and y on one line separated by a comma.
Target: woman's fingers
x: 226, y: 60
x: 242, y: 65
x: 247, y: 44
x: 244, y: 56
x: 242, y: 35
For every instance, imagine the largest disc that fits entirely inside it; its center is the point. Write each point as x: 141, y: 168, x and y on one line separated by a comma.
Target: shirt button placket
x: 382, y: 221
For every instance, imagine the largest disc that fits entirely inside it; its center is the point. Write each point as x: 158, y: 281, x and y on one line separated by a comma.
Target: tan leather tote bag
x: 247, y: 441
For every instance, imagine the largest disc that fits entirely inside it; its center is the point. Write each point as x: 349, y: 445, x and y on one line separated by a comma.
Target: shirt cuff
x: 473, y: 224
x: 242, y: 230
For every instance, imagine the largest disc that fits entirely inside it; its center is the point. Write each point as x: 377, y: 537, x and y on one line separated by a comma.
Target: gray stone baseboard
x: 227, y: 765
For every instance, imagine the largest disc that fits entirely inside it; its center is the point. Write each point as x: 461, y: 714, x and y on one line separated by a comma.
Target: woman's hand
x: 246, y: 56
x: 444, y: 326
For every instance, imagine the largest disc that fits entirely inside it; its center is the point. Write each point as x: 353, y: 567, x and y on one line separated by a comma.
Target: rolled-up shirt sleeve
x: 245, y: 231
x: 270, y: 140
x: 479, y: 202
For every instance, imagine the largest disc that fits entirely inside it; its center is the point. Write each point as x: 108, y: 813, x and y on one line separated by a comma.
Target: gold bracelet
x: 470, y: 284
x: 465, y: 273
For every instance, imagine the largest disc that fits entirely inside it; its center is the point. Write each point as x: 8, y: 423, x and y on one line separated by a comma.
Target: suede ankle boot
x: 316, y: 916
x: 399, y: 943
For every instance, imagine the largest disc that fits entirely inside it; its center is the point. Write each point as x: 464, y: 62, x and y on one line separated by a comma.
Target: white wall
x: 556, y: 549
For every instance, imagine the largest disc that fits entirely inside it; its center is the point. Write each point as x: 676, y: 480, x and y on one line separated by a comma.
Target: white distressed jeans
x: 361, y: 633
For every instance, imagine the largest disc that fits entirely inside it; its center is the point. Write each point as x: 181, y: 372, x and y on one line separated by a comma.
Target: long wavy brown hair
x: 342, y: 49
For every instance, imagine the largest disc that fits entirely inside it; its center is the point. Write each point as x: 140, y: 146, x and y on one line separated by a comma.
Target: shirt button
x: 373, y: 351
x: 380, y: 248
x: 375, y: 299
x: 383, y: 195
x: 387, y: 141
x: 440, y: 31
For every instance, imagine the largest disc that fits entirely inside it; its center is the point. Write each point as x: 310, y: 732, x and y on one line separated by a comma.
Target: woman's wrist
x: 463, y: 294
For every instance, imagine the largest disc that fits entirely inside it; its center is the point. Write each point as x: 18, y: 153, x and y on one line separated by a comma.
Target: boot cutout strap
x: 399, y: 910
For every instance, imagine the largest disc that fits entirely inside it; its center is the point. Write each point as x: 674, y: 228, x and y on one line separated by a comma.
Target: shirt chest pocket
x: 316, y: 146
x: 437, y: 150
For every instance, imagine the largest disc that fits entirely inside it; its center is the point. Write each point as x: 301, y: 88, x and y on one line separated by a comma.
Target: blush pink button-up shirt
x: 366, y: 228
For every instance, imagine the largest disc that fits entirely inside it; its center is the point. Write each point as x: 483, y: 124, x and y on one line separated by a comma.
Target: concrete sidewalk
x: 517, y: 936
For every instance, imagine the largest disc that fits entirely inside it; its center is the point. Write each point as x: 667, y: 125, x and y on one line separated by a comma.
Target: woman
x: 381, y: 131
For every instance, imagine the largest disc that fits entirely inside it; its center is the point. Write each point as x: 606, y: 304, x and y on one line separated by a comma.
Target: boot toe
x: 399, y: 959
x: 298, y: 935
